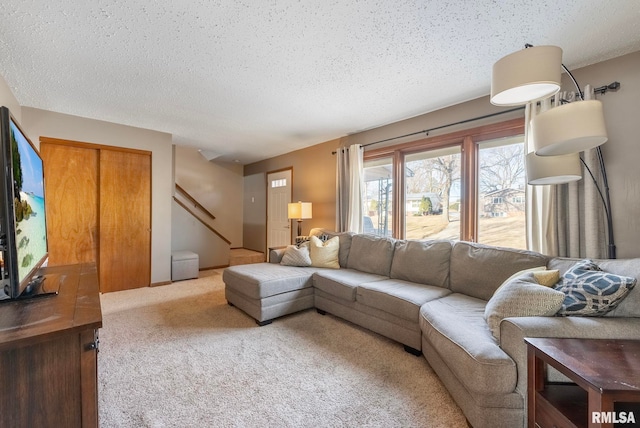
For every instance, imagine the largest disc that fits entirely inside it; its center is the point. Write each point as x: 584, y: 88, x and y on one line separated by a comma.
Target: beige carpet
x: 179, y: 356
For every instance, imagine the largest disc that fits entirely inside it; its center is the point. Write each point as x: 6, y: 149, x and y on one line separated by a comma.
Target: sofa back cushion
x: 424, y: 262
x: 477, y: 270
x: 630, y: 305
x: 370, y: 253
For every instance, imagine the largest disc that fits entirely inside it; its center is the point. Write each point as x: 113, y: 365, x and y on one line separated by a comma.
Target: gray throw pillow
x: 590, y: 291
x: 296, y: 256
x: 521, y: 296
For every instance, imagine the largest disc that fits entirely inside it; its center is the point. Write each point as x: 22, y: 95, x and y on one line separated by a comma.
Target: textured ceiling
x: 251, y: 79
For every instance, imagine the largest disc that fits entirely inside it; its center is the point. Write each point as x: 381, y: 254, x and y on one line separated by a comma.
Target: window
x: 378, y: 178
x: 501, y: 180
x: 465, y: 185
x: 432, y: 194
x: 282, y: 182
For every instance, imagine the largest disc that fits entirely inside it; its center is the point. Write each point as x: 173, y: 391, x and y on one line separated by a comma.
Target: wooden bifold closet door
x: 71, y: 191
x: 99, y: 209
x: 125, y: 219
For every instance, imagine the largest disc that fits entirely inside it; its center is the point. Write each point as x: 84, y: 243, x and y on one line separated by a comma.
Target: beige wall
x: 8, y: 100
x: 41, y: 123
x: 314, y: 180
x: 446, y: 116
x: 217, y: 186
x: 255, y: 207
x: 189, y: 234
x: 622, y: 112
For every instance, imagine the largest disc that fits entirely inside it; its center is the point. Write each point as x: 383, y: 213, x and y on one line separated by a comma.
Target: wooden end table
x: 604, y: 371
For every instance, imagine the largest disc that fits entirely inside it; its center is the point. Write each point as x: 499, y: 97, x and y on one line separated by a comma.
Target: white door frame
x: 278, y: 198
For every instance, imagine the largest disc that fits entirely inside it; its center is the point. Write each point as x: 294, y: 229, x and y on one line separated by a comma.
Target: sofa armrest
x: 514, y: 330
x: 275, y: 254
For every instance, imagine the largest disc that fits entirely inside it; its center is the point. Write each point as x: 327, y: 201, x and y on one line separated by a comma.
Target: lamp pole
x: 606, y: 200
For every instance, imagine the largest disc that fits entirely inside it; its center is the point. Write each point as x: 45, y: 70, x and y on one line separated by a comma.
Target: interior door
x: 71, y: 191
x: 125, y: 220
x: 278, y: 198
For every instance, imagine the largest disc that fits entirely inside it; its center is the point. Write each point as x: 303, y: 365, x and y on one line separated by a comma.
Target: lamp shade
x: 527, y: 75
x: 569, y: 128
x: 552, y: 169
x: 299, y: 210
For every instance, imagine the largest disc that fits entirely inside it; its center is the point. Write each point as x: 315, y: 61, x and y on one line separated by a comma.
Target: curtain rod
x: 426, y: 131
x: 599, y: 90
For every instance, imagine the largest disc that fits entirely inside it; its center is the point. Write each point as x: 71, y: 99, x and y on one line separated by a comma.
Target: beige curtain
x: 580, y: 214
x: 566, y: 220
x: 541, y: 200
x: 350, y: 189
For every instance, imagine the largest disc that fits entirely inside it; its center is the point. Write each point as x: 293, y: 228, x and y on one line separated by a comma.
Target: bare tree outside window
x: 501, y: 167
x: 433, y: 176
x: 501, y: 198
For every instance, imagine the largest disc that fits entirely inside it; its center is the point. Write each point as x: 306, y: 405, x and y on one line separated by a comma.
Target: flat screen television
x: 23, y: 225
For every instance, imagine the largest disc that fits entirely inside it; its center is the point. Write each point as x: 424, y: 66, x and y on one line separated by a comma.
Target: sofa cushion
x: 260, y: 280
x: 343, y: 283
x: 400, y: 298
x: 455, y: 327
x: 478, y: 270
x: 372, y: 254
x: 590, y: 291
x: 630, y: 306
x: 425, y: 262
x: 522, y: 296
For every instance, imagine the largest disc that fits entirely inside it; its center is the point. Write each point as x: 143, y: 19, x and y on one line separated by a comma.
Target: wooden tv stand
x: 48, y: 353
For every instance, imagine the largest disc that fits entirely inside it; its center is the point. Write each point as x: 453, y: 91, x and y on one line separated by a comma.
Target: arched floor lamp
x: 560, y: 133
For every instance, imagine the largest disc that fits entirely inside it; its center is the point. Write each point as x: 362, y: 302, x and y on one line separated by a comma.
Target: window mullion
x: 469, y: 229
x: 399, y: 195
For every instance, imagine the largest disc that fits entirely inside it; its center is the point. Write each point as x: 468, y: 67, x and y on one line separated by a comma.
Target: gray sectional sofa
x: 431, y: 297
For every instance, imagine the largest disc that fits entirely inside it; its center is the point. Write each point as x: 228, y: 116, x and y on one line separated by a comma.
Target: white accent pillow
x: 325, y: 254
x: 296, y: 256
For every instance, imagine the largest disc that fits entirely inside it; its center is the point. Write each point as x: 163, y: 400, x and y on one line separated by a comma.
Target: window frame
x: 469, y: 142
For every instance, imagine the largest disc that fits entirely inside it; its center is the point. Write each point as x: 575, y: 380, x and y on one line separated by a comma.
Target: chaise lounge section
x: 432, y: 297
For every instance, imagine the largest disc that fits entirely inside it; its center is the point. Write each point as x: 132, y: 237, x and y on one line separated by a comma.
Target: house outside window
x: 501, y: 192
